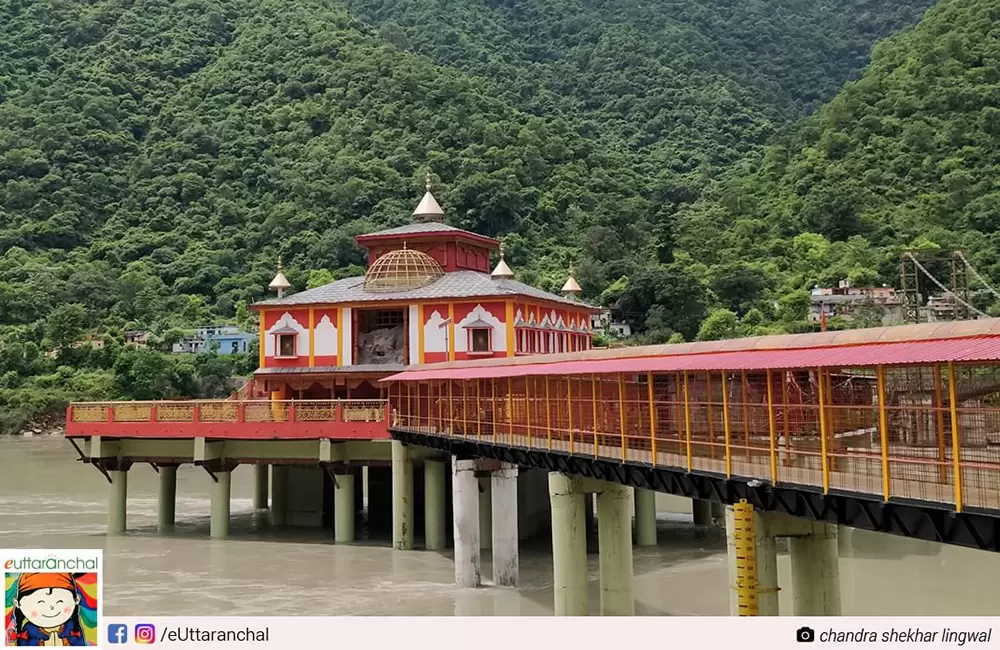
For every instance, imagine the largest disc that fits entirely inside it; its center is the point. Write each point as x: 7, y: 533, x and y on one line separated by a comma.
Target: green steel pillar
x: 466, y: 517
x: 645, y: 517
x: 434, y: 505
x: 279, y: 495
x: 614, y: 536
x: 402, y: 497
x: 343, y: 509
x: 219, y: 525
x: 569, y: 546
x: 260, y: 478
x: 117, y: 498
x: 167, y: 502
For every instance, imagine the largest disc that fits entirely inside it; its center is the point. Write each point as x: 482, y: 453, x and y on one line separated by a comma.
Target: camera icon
x: 805, y: 635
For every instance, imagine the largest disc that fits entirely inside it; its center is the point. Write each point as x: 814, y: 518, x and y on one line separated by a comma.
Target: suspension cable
x: 976, y: 273
x: 942, y: 287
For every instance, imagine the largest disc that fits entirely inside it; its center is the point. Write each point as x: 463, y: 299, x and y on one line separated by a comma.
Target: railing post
x: 479, y: 409
x: 152, y: 413
x: 387, y: 414
x: 291, y: 411
x: 338, y: 411
x: 822, y: 430
x: 111, y: 414
x: 593, y: 407
x: 569, y: 400
x: 956, y: 445
x: 687, y: 421
x: 883, y: 425
x: 196, y: 413
x: 772, y: 427
x: 725, y: 424
x: 69, y: 414
x: 652, y: 416
x: 621, y: 413
x: 527, y: 407
x: 241, y: 415
x: 548, y: 414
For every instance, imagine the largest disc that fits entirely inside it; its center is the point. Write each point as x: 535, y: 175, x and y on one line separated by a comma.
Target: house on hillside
x: 224, y: 339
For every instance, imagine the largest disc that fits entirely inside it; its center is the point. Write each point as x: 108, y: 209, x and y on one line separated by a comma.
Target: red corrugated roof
x: 980, y: 348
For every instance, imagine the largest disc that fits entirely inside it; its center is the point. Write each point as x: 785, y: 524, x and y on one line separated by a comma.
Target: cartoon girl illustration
x: 46, y: 611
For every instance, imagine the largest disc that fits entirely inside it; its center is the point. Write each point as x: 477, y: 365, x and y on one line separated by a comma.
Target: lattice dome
x: 402, y: 269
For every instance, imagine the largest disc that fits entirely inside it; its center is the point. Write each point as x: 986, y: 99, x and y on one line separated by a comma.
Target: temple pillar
x: 645, y: 517
x: 343, y: 508
x: 614, y: 534
x: 167, y: 498
x: 434, y: 505
x: 569, y: 546
x: 465, y: 500
x: 506, y: 567
x: 219, y: 526
x: 117, y: 501
x: 402, y: 497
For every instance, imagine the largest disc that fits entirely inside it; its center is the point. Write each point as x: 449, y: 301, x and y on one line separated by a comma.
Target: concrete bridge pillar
x: 614, y: 535
x: 260, y: 478
x: 569, y: 545
x: 465, y: 499
x: 767, y: 564
x: 506, y: 567
x: 434, y: 505
x: 645, y: 517
x: 343, y: 508
x: 117, y: 500
x: 485, y: 513
x: 167, y: 501
x: 279, y: 495
x: 815, y: 571
x: 701, y: 512
x: 219, y: 526
x: 402, y: 497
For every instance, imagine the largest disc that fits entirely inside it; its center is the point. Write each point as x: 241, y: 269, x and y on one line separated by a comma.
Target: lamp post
x: 444, y: 325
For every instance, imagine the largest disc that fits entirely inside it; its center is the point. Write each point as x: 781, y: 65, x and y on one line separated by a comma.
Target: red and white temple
x: 428, y: 295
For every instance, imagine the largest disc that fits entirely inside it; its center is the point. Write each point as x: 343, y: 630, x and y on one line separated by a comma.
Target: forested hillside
x: 156, y: 157
x: 907, y: 156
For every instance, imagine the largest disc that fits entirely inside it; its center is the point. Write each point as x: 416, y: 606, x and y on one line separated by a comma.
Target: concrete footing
x: 219, y: 525
x: 569, y: 545
x: 614, y: 534
x: 117, y: 502
x: 343, y: 508
x: 402, y: 497
x: 166, y: 499
x: 506, y: 565
x: 434, y: 505
x: 645, y: 517
x: 260, y: 485
x: 465, y: 499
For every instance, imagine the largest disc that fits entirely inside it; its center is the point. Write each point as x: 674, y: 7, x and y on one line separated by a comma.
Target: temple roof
x: 426, y: 228
x: 457, y: 284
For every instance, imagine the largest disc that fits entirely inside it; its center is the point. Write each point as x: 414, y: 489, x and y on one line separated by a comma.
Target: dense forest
x: 156, y: 157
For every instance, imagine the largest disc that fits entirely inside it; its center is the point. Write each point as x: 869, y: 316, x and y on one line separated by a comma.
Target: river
x: 50, y: 500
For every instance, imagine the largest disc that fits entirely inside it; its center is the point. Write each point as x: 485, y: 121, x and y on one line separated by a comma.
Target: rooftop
x: 457, y: 284
x: 426, y: 228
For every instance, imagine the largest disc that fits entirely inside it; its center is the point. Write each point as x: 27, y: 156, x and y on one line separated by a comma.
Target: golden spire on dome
x: 571, y: 287
x: 280, y: 282
x: 502, y: 271
x: 428, y: 208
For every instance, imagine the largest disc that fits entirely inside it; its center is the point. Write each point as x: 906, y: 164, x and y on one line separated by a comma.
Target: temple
x: 428, y: 295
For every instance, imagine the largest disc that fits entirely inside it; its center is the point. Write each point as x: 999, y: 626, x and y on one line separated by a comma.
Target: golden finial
x: 280, y: 282
x: 427, y: 181
x: 502, y: 271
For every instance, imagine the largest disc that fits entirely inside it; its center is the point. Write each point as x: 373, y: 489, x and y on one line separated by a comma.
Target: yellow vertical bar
x: 510, y: 410
x: 261, y: 357
x: 312, y: 338
x: 772, y: 426
x: 883, y: 427
x: 939, y: 411
x: 451, y: 331
x: 465, y: 411
x: 527, y: 407
x: 493, y: 409
x: 548, y: 414
x: 440, y: 401
x: 420, y: 333
x: 831, y: 422
x: 479, y: 410
x: 745, y: 534
x: 687, y: 420
x: 822, y: 430
x: 340, y: 339
x: 409, y: 405
x: 451, y: 409
x: 785, y: 413
x: 652, y: 415
x: 746, y: 411
x: 710, y: 414
x: 956, y: 446
x: 621, y: 412
x: 510, y: 328
x: 725, y: 425
x: 569, y: 399
x: 679, y: 402
x: 593, y: 407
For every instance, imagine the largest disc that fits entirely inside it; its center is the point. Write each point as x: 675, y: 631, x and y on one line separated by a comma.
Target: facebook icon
x: 117, y: 633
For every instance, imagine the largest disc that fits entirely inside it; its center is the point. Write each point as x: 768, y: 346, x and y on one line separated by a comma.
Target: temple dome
x: 402, y: 269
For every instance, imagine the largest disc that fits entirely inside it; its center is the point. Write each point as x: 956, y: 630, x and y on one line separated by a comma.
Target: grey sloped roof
x: 411, y: 228
x: 457, y: 284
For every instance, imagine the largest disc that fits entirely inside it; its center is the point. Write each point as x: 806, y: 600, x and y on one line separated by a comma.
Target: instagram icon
x: 145, y: 633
